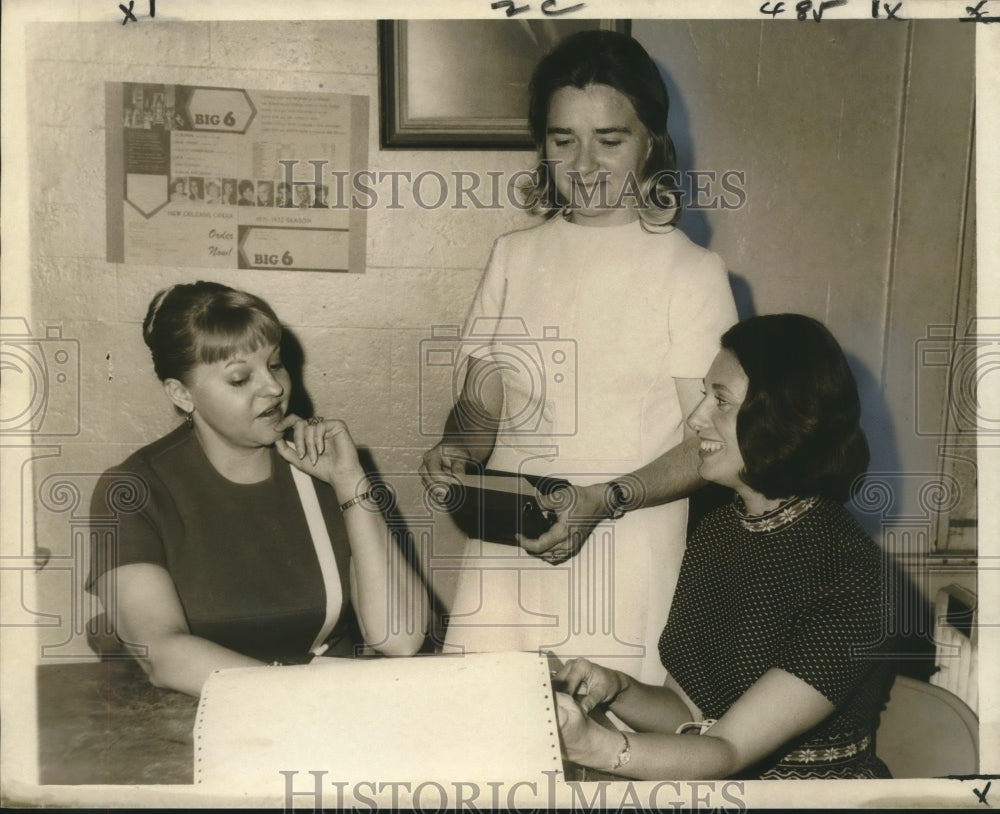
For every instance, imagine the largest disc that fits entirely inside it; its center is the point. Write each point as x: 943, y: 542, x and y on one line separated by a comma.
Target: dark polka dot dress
x: 799, y: 588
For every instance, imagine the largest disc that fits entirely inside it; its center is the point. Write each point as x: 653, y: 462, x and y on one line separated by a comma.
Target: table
x: 104, y: 723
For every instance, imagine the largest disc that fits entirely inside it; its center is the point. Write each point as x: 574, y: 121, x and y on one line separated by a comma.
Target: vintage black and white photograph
x: 531, y: 405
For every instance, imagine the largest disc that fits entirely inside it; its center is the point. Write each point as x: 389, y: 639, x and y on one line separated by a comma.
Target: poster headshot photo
x: 835, y: 156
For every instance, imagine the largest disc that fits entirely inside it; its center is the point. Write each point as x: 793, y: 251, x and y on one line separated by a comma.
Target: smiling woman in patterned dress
x: 771, y: 645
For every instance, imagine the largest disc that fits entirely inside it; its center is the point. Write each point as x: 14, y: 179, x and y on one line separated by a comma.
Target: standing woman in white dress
x: 622, y: 314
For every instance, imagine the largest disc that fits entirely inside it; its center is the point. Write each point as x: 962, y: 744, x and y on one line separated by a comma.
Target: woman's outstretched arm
x: 671, y: 476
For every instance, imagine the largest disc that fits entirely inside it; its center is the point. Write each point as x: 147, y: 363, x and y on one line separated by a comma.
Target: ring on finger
x: 316, y: 419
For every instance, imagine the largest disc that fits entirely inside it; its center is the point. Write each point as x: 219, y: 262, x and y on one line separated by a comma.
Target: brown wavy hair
x: 620, y: 62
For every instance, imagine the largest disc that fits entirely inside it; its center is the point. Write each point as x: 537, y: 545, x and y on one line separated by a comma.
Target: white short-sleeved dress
x: 589, y: 326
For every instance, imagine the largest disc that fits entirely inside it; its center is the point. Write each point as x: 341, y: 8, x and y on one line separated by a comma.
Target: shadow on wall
x: 908, y: 635
x: 294, y: 356
x: 693, y: 221
x: 743, y: 296
x: 407, y: 539
x: 876, y: 421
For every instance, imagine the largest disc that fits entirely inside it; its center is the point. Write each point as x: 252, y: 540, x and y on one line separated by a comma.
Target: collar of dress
x: 778, y: 518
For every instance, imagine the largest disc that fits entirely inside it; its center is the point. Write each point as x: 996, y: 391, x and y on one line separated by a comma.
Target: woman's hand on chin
x: 323, y: 448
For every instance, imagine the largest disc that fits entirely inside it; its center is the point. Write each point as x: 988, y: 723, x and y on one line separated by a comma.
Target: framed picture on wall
x: 464, y: 83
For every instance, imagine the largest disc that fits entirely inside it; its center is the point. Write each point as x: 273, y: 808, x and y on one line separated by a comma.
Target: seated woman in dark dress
x: 247, y: 535
x: 771, y: 646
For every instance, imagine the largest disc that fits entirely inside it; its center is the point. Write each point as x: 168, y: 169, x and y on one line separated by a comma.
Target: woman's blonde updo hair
x: 201, y: 323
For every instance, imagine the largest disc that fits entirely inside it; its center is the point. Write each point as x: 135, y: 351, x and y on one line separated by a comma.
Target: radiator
x: 956, y: 645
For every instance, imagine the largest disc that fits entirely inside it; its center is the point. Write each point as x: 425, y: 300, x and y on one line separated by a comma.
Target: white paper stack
x: 473, y: 718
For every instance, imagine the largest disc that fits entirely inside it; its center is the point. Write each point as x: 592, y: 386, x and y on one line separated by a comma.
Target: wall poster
x: 232, y: 178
